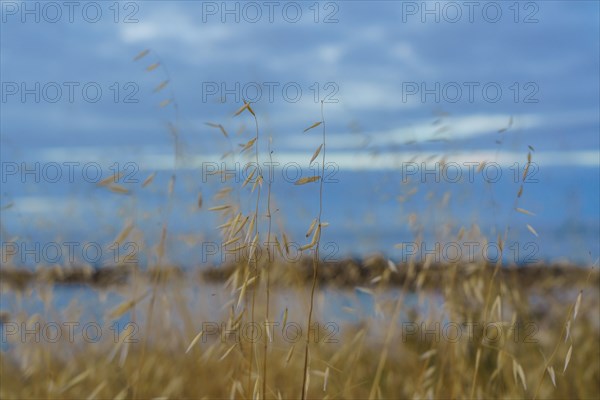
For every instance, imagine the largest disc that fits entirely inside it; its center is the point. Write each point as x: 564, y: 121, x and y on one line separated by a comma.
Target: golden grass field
x: 553, y: 354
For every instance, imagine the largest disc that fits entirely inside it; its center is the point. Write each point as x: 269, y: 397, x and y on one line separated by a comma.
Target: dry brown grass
x: 416, y: 365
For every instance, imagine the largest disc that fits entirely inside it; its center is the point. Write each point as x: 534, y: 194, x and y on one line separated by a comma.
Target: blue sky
x: 370, y: 55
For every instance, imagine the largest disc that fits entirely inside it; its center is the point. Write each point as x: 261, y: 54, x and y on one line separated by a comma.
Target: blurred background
x: 407, y: 87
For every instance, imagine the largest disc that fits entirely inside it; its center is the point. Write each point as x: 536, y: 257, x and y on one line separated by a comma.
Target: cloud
x: 152, y: 158
x: 179, y: 29
x: 451, y: 128
x: 40, y: 204
x: 330, y: 53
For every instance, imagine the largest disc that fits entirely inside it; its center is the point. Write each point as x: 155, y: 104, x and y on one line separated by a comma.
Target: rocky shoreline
x: 345, y: 273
